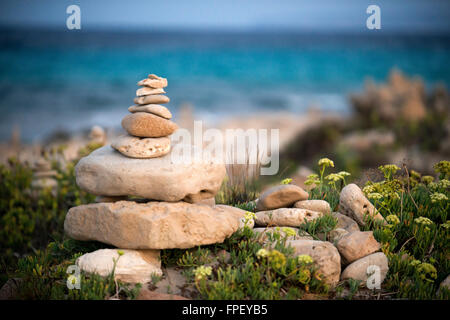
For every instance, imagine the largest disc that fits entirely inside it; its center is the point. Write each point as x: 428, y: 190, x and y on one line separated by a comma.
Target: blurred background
x: 313, y: 69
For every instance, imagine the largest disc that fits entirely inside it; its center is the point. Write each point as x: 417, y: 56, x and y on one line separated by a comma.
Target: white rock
x: 314, y: 205
x: 285, y: 217
x: 359, y: 270
x: 142, y: 148
x: 145, y: 91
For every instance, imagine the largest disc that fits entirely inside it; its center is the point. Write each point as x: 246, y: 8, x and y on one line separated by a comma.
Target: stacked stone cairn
x: 43, y: 175
x: 146, y: 201
x: 284, y: 208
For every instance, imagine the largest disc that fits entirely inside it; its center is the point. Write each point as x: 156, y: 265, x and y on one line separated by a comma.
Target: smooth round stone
x: 106, y: 172
x: 153, y: 81
x: 147, y: 125
x: 145, y: 91
x: 152, y: 99
x: 152, y: 108
x: 142, y: 148
x: 285, y: 217
x: 314, y: 205
x: 357, y: 245
x: 281, y: 196
x: 360, y: 269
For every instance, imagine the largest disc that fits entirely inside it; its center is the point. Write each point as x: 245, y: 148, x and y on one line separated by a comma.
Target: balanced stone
x: 106, y: 172
x: 281, y: 196
x: 354, y: 204
x: 357, y: 245
x: 151, y: 225
x: 285, y: 217
x: 152, y: 108
x: 314, y: 205
x: 133, y: 266
x: 153, y: 81
x: 145, y: 91
x: 325, y: 256
x: 147, y: 125
x: 152, y: 99
x: 142, y: 148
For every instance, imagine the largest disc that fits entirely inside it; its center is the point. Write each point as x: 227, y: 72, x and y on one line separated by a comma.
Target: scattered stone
x: 359, y: 269
x: 337, y: 234
x: 357, y: 245
x: 151, y: 225
x: 106, y: 172
x: 153, y: 99
x: 314, y: 205
x: 142, y: 148
x: 324, y: 254
x: 155, y: 109
x: 134, y: 266
x: 345, y: 222
x: 354, y: 204
x: 285, y: 217
x: 280, y: 197
x: 153, y: 81
x: 147, y: 125
x: 146, y: 91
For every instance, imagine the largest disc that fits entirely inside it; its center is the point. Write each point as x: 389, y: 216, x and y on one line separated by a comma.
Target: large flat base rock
x: 106, y: 172
x: 151, y: 225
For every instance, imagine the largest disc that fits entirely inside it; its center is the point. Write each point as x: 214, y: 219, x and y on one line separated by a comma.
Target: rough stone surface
x: 153, y: 81
x: 151, y: 225
x: 354, y: 204
x: 147, y: 125
x: 10, y: 288
x: 155, y: 109
x: 357, y: 245
x: 134, y: 266
x: 285, y: 217
x: 314, y: 205
x: 345, y: 222
x: 336, y: 234
x: 145, y: 91
x: 142, y: 148
x: 106, y: 172
x: 238, y: 214
x: 207, y: 202
x: 281, y: 196
x: 324, y: 254
x: 173, y: 282
x: 445, y: 283
x: 358, y: 269
x: 153, y: 99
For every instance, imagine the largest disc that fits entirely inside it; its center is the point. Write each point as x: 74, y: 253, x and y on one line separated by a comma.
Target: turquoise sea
x: 53, y: 80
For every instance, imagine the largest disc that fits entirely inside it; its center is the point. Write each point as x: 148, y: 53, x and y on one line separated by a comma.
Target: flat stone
x: 145, y: 91
x: 147, y: 125
x: 151, y: 225
x: 314, y: 205
x: 134, y: 266
x: 355, y: 205
x: 142, y: 148
x: 281, y: 196
x: 285, y: 217
x: 325, y: 256
x: 238, y: 214
x: 357, y: 245
x: 152, y: 99
x: 359, y: 269
x: 153, y: 81
x: 155, y: 109
x: 106, y: 172
x: 345, y: 222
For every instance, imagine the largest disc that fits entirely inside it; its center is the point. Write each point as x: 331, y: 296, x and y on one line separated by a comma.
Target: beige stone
x: 152, y: 99
x: 153, y: 81
x: 336, y: 234
x: 325, y: 256
x: 345, y: 222
x: 314, y: 205
x: 151, y: 225
x: 207, y: 202
x: 357, y: 245
x: 134, y: 266
x: 145, y: 91
x: 355, y: 205
x: 359, y: 270
x: 147, y: 125
x: 155, y: 109
x: 106, y: 172
x: 142, y: 148
x: 238, y: 214
x: 281, y: 196
x: 45, y: 174
x: 285, y: 217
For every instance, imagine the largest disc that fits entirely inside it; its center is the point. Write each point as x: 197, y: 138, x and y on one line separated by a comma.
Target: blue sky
x: 299, y: 15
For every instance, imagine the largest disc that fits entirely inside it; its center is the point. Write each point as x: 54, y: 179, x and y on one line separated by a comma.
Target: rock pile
x: 345, y: 247
x: 43, y: 175
x: 146, y: 201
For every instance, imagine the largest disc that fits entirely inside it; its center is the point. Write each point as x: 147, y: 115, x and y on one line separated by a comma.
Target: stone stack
x: 146, y: 201
x: 43, y: 175
x: 149, y: 125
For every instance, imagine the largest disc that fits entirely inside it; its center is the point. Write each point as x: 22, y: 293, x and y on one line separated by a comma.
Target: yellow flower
x: 446, y: 225
x: 444, y: 184
x: 438, y: 197
x: 333, y: 177
x: 375, y: 196
x: 443, y: 168
x: 427, y: 179
x: 202, y: 272
x: 427, y: 271
x: 304, y: 258
x: 286, y: 181
x: 312, y: 179
x: 276, y: 259
x: 262, y: 253
x: 120, y: 252
x: 325, y: 162
x: 249, y: 216
x: 289, y: 232
x: 423, y: 221
x: 304, y: 276
x: 393, y: 219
